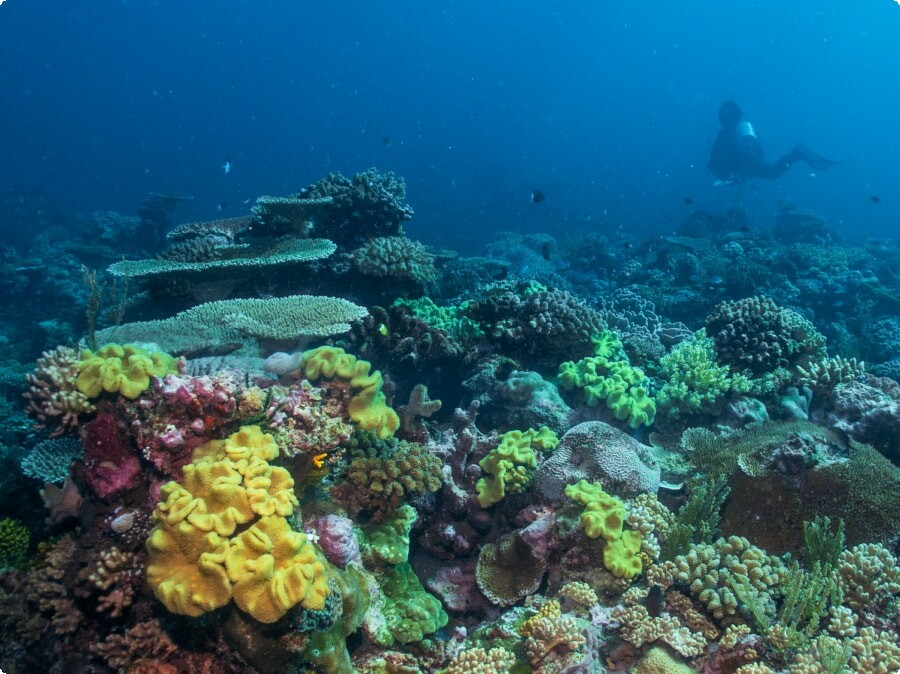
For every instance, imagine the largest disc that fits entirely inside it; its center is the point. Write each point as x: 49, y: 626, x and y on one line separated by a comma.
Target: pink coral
x: 111, y: 464
x: 303, y: 423
x: 179, y: 413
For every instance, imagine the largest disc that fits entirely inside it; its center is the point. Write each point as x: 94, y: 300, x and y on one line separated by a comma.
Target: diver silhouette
x: 737, y: 155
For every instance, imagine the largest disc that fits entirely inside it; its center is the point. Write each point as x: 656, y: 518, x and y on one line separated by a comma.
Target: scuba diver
x: 737, y: 154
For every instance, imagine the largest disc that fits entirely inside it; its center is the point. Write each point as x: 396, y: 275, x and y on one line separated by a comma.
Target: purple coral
x: 336, y: 538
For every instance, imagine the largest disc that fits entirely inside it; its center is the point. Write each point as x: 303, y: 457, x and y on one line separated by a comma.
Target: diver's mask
x: 744, y: 129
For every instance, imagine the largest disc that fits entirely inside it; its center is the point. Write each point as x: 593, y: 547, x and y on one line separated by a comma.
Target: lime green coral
x: 452, y: 319
x: 604, y: 516
x: 694, y: 382
x: 608, y: 377
x: 388, y: 541
x: 410, y: 612
x: 510, y: 466
x: 367, y: 407
x: 118, y: 368
x: 14, y: 540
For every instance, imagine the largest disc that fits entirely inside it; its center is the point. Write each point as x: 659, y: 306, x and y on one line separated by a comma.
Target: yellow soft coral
x: 117, y: 368
x: 197, y: 560
x: 604, y: 516
x: 367, y: 406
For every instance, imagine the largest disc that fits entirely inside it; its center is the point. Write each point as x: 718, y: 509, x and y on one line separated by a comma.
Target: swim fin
x: 814, y: 160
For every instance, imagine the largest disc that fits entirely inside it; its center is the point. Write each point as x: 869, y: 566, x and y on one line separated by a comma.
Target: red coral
x: 110, y: 460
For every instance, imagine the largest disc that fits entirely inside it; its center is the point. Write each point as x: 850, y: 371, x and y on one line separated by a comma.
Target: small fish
x: 386, y: 141
x: 688, y: 201
x: 221, y: 206
x: 654, y: 601
x: 537, y: 196
x: 227, y: 166
x: 875, y: 199
x: 545, y: 250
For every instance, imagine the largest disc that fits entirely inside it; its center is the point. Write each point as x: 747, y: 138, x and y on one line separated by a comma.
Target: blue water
x: 608, y: 108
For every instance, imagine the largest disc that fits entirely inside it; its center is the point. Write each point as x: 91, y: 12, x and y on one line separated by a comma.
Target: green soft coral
x: 509, y: 467
x: 410, y: 613
x: 694, y: 382
x: 451, y: 319
x: 388, y: 541
x: 607, y: 377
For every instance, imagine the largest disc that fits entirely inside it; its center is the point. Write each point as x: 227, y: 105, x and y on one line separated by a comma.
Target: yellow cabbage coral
x: 198, y: 564
x: 117, y: 368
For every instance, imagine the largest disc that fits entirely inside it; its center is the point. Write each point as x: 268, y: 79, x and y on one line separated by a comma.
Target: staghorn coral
x: 382, y: 475
x: 395, y: 256
x: 757, y: 335
x: 53, y: 398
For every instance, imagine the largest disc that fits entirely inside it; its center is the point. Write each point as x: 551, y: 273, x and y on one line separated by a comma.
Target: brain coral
x: 597, y: 452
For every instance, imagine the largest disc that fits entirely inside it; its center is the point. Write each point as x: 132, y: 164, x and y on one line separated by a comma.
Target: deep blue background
x: 608, y: 107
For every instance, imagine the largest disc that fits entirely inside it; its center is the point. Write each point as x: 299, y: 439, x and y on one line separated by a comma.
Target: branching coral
x: 395, y: 256
x: 756, y: 334
x: 384, y: 474
x: 693, y: 382
x: 53, y: 398
x: 549, y: 630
